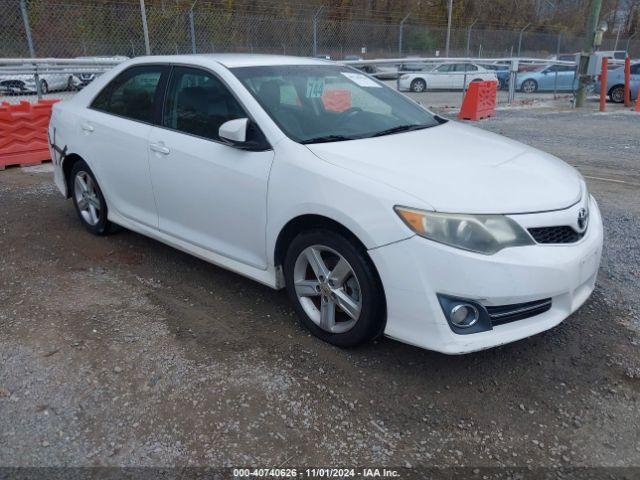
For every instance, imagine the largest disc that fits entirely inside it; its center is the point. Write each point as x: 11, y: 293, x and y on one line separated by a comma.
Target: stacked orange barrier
x: 23, y: 132
x: 479, y: 101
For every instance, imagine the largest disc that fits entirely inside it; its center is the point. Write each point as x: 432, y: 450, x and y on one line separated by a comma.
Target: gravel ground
x: 120, y: 351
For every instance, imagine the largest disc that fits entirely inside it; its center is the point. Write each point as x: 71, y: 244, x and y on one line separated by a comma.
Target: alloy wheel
x: 617, y: 95
x: 418, y: 86
x: 87, y: 198
x: 327, y: 288
x: 529, y: 86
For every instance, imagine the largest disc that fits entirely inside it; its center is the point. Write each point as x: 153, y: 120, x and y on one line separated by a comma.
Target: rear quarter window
x: 132, y: 94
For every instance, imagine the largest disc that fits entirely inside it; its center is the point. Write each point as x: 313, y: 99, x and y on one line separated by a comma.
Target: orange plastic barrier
x: 637, y: 109
x: 337, y: 100
x: 479, y: 101
x: 23, y: 132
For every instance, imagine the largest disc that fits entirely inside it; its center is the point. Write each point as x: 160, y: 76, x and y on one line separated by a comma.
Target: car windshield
x: 327, y: 103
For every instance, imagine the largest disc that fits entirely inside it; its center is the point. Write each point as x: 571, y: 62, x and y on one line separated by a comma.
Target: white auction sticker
x: 361, y: 80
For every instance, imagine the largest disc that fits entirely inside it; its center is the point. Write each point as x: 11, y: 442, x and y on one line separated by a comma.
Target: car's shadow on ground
x: 211, y: 310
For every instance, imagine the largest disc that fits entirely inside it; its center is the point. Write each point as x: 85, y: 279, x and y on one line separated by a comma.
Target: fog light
x: 464, y: 315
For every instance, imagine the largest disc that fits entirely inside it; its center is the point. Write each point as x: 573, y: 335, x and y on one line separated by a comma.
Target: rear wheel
x: 616, y: 94
x: 44, y: 87
x: 418, y: 85
x: 529, y: 86
x: 335, y: 288
x: 88, y: 200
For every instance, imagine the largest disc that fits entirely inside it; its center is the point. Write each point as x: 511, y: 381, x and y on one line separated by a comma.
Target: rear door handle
x: 87, y: 127
x: 159, y: 148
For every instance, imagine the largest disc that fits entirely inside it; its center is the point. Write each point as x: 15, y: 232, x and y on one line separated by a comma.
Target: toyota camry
x: 378, y: 216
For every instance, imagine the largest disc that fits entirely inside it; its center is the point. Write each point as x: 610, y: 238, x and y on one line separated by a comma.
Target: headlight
x: 485, y: 234
x: 404, y: 77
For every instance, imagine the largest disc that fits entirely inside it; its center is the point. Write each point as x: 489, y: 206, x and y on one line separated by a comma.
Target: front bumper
x: 413, y: 271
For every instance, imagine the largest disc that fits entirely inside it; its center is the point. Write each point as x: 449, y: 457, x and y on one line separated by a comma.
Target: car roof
x: 232, y: 60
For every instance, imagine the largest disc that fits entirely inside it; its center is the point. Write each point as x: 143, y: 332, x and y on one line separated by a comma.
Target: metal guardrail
x: 75, y: 66
x: 69, y: 67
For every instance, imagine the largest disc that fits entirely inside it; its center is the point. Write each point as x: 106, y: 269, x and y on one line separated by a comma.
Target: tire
x: 70, y: 85
x: 418, y: 85
x: 356, y: 286
x: 616, y: 94
x: 44, y: 87
x: 94, y: 219
x: 529, y: 86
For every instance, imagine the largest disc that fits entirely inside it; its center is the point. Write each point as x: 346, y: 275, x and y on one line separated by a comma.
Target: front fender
x: 311, y: 186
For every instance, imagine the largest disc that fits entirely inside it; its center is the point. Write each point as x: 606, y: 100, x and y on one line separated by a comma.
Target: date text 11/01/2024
x: 315, y: 472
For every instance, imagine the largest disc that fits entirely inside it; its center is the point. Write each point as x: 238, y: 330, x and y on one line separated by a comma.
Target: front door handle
x: 87, y: 127
x: 159, y: 148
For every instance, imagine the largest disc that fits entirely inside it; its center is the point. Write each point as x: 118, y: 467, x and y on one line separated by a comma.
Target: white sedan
x: 447, y: 76
x: 49, y: 82
x: 377, y: 216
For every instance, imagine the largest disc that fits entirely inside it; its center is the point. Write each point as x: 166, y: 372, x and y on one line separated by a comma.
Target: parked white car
x: 13, y: 84
x: 447, y: 76
x: 377, y: 215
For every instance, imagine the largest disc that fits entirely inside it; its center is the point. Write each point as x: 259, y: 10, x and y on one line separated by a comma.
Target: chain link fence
x: 129, y: 28
x: 72, y: 28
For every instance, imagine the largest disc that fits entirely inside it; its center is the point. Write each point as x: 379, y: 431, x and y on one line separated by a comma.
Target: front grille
x: 510, y: 313
x: 564, y: 234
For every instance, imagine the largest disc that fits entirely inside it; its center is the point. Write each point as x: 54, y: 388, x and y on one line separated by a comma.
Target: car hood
x: 459, y: 169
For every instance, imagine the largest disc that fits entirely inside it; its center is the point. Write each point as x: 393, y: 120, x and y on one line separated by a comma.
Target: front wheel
x: 334, y: 287
x: 44, y: 87
x: 418, y: 85
x: 88, y: 200
x: 617, y: 94
x: 529, y: 86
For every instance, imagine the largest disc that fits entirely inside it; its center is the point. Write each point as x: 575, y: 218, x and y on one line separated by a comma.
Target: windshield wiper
x: 400, y: 128
x: 327, y: 138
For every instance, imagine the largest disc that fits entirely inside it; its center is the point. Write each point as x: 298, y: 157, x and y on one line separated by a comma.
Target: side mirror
x: 234, y: 131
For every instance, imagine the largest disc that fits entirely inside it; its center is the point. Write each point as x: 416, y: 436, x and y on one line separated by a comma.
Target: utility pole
x: 587, y: 49
x: 450, y: 9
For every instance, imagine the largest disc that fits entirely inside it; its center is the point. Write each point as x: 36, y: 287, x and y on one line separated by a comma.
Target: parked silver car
x: 49, y: 82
